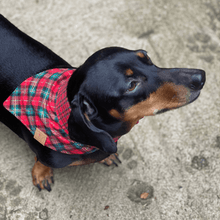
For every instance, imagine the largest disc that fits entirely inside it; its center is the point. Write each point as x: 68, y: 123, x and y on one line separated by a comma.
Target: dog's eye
x: 132, y: 86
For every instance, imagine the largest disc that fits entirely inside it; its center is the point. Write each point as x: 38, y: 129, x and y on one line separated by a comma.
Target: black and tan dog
x: 108, y: 95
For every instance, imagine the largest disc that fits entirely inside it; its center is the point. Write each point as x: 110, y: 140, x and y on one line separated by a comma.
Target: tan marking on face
x: 115, y: 114
x: 167, y: 96
x: 129, y: 72
x: 141, y: 55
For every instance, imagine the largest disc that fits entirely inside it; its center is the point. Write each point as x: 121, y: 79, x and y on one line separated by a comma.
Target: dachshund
x: 73, y: 116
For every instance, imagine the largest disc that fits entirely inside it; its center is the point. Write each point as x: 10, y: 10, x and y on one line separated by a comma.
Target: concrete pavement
x: 174, y: 157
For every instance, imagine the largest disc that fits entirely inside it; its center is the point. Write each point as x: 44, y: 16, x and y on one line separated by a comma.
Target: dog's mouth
x: 161, y: 111
x: 193, y: 96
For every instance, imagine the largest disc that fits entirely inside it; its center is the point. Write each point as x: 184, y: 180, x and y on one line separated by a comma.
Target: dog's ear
x: 82, y: 130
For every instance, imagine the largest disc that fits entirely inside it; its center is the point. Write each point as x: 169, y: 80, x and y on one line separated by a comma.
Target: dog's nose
x: 198, y: 80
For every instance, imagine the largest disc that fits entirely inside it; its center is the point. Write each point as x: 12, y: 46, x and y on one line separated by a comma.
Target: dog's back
x: 21, y: 57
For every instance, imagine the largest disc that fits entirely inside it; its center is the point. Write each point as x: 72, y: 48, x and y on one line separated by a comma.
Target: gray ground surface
x: 175, y: 156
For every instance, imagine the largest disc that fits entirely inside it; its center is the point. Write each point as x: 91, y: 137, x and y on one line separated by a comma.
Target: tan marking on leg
x: 40, y: 173
x: 109, y: 160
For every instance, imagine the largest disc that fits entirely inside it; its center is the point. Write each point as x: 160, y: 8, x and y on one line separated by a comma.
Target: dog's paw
x: 42, y: 176
x: 111, y: 160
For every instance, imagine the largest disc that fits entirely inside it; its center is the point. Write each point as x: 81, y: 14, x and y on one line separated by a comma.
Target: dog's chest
x: 41, y: 104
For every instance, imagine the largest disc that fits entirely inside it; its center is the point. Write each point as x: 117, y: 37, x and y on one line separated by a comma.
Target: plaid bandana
x: 41, y: 104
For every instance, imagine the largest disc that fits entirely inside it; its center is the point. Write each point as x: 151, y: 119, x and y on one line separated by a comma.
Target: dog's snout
x: 198, y: 80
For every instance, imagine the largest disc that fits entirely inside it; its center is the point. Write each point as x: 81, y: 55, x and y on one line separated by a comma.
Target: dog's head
x: 117, y: 87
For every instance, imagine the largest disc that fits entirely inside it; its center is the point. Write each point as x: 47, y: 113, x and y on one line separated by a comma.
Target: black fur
x: 95, y: 88
x: 20, y: 58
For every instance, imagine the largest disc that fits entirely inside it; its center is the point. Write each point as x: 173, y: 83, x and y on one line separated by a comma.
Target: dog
x: 86, y: 109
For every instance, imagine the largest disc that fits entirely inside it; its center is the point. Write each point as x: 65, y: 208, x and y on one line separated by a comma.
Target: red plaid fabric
x: 40, y: 102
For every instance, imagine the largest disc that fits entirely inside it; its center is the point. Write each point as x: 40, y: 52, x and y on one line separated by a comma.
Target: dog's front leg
x: 112, y: 159
x: 42, y: 176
